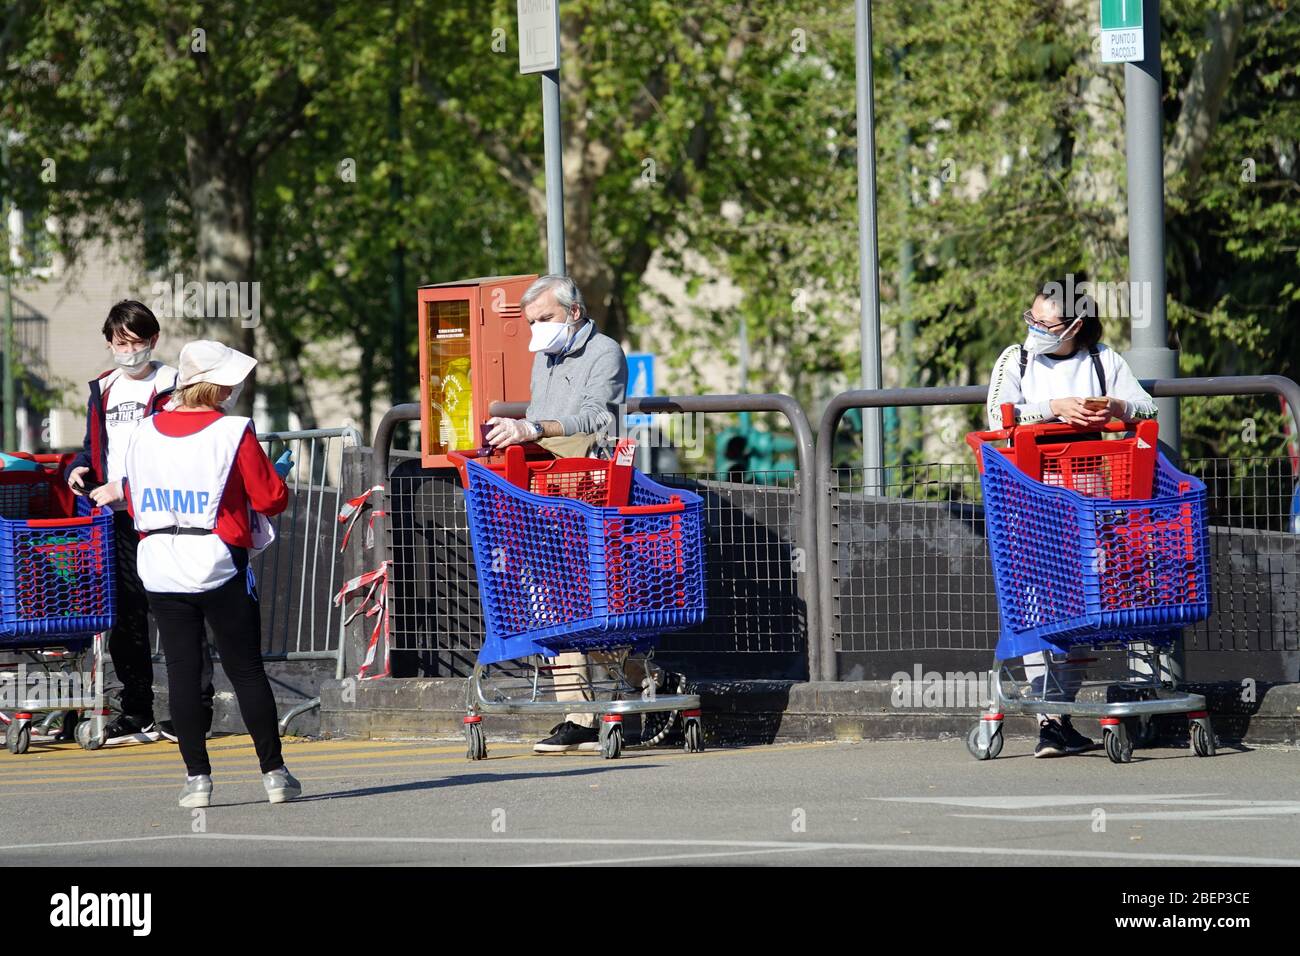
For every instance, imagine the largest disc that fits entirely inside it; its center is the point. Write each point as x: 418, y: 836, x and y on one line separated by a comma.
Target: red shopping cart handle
x: 671, y: 507
x: 976, y: 439
x: 60, y: 522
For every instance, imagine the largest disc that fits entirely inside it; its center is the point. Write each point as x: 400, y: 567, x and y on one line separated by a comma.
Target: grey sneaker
x: 281, y: 785
x: 197, y: 792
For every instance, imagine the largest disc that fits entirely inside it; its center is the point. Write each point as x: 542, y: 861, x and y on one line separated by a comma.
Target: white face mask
x: 549, y: 337
x: 133, y: 360
x: 228, y: 405
x: 1041, y: 342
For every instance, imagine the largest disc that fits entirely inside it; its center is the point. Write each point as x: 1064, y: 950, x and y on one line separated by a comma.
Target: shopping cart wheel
x: 18, y: 738
x: 694, y: 733
x: 1202, y: 736
x: 475, y: 742
x: 87, y: 737
x: 979, y: 752
x: 611, y: 742
x: 1118, y: 747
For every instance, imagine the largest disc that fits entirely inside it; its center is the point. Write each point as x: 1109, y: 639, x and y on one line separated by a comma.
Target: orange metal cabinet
x: 473, y: 352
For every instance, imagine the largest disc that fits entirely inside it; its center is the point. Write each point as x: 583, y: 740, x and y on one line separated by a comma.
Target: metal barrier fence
x: 299, y: 574
x: 761, y: 577
x: 905, y: 568
x: 820, y: 566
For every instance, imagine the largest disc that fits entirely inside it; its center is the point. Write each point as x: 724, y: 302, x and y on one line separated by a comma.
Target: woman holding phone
x: 1062, y: 372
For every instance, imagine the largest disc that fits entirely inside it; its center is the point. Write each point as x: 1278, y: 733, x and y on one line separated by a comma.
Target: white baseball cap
x: 215, y: 362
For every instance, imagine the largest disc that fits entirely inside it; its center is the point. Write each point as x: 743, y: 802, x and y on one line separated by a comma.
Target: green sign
x: 1122, y: 40
x: 1121, y: 14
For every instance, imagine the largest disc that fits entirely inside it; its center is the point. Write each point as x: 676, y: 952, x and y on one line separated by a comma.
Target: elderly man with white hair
x: 578, y: 383
x: 579, y: 376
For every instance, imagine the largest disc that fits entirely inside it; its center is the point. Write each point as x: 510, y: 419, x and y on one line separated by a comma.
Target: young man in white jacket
x: 1048, y: 378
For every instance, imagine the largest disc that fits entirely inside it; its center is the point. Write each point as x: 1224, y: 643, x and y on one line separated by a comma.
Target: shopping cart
x: 578, y: 554
x: 1098, y: 543
x: 56, y: 601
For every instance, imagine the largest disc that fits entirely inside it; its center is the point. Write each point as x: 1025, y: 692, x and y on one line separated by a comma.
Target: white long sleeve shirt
x: 1047, y: 378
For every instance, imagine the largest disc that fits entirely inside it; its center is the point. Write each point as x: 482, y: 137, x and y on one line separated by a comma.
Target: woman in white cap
x: 194, y: 475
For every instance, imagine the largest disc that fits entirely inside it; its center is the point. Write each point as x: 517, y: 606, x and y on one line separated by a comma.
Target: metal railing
x: 937, y: 525
x: 762, y: 576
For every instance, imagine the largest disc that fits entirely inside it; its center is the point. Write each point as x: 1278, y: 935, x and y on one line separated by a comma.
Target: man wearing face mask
x: 578, y: 382
x: 120, y: 399
x: 579, y: 376
x: 1051, y: 377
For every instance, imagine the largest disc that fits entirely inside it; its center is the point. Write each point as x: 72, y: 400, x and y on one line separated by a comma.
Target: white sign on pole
x: 539, y: 35
x: 1121, y: 31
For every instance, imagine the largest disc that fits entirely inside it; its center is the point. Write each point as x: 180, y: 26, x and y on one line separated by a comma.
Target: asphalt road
x: 422, y: 803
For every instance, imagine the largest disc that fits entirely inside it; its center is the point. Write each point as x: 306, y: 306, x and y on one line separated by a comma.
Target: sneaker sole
x: 282, y: 796
x: 554, y: 748
x: 194, y: 801
x: 1050, y: 753
x: 149, y: 738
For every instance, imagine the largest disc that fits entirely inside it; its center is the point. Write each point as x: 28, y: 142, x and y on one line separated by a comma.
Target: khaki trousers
x: 574, y: 680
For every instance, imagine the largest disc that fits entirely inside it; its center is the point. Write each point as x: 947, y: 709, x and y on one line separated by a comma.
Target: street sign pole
x: 868, y: 251
x: 1131, y: 35
x: 10, y: 393
x: 539, y: 52
x: 555, y: 263
x: 1150, y: 355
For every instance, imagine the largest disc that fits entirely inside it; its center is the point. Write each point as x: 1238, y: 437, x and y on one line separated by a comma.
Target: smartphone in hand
x: 1097, y: 404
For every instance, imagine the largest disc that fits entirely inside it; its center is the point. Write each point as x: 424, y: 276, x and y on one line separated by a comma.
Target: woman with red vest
x: 194, y: 476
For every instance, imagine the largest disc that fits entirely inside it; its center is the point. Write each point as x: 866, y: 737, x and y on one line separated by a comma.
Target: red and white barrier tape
x: 375, y: 584
x: 352, y: 511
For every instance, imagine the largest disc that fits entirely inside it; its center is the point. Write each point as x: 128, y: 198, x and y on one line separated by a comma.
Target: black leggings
x: 235, y: 618
x: 128, y: 641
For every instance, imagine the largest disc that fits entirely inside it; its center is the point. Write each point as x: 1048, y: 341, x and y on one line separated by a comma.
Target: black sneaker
x: 566, y: 736
x: 1051, y: 741
x: 167, y: 730
x: 1075, y: 742
x: 130, y: 729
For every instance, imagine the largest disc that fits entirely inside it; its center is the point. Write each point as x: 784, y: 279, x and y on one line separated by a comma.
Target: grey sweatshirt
x: 582, y: 388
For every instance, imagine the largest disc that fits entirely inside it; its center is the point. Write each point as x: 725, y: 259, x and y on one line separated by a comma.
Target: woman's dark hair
x: 1081, y: 307
x: 130, y: 316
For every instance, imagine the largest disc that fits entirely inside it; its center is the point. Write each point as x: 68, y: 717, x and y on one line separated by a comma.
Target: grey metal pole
x: 1150, y: 355
x: 555, y: 263
x: 868, y: 250
x: 10, y: 394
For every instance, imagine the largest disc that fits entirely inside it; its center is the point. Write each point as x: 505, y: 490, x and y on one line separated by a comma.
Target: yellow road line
x: 244, y: 755
x: 71, y: 752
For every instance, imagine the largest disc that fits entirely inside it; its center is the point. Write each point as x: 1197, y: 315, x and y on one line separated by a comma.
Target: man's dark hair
x: 130, y: 316
x: 1080, y: 307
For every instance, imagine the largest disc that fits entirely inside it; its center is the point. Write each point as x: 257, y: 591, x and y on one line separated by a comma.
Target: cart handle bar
x: 976, y: 439
x: 59, y: 522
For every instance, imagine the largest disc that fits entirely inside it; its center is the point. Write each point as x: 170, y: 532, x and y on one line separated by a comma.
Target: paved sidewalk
x: 421, y: 802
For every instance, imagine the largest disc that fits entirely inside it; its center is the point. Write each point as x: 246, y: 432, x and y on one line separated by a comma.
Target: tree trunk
x: 221, y: 193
